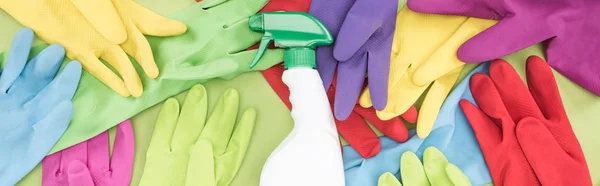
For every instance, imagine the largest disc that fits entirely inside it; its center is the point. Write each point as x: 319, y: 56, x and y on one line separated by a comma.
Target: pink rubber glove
x: 88, y: 163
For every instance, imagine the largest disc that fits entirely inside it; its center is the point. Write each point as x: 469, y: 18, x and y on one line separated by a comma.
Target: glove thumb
x: 79, y: 174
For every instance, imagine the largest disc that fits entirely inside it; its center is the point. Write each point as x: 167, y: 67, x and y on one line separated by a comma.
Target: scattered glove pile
x: 390, y: 64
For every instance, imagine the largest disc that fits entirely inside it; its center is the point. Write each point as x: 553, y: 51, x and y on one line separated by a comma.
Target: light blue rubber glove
x: 452, y: 134
x: 35, y: 107
x: 365, y: 172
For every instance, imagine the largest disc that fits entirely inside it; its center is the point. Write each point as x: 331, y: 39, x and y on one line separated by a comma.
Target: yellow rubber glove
x: 424, y: 55
x: 105, y: 29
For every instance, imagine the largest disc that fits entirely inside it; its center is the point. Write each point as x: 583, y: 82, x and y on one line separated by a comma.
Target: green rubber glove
x: 435, y: 170
x: 213, y: 47
x: 188, y: 149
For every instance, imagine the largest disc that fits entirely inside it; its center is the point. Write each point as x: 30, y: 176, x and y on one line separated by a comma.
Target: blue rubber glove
x: 365, y: 172
x: 454, y: 137
x: 35, y: 107
x: 451, y: 134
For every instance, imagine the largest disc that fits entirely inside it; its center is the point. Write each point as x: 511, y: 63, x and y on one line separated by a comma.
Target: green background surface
x: 274, y: 121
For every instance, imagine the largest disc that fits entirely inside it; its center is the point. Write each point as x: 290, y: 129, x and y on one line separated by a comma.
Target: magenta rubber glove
x: 89, y: 163
x: 569, y: 28
x: 363, y: 31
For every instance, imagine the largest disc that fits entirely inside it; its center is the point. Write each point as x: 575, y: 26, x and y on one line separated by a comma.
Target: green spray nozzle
x: 298, y: 32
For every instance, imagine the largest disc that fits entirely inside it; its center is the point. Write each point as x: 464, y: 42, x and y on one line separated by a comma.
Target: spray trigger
x: 262, y: 48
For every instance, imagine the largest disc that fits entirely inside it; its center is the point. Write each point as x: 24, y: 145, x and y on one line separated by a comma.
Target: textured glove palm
x: 520, y: 129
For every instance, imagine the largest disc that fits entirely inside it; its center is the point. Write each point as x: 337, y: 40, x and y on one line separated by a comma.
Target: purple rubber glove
x: 88, y: 163
x: 363, y: 31
x: 569, y: 27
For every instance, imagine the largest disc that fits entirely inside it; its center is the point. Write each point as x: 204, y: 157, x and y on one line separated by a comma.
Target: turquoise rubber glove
x: 213, y: 47
x: 435, y: 170
x: 35, y: 106
x: 188, y: 149
x: 452, y: 134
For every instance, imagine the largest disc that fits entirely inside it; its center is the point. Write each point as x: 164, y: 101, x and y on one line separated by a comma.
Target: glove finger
x: 121, y: 161
x: 229, y: 164
x: 546, y: 94
x: 394, y: 128
x: 99, y: 155
x: 150, y: 23
x: 137, y: 46
x: 326, y: 65
x: 544, y: 89
x: 433, y: 102
x: 541, y: 147
x: 17, y: 58
x: 220, y: 124
x: 488, y: 133
x: 470, y: 8
x: 388, y: 179
x: 61, y: 89
x: 79, y: 174
x: 359, y: 135
x: 117, y: 58
x: 47, y: 131
x: 378, y: 71
x: 444, y: 59
x: 191, y: 119
x: 78, y: 152
x: 506, y: 37
x: 164, y: 127
x: 351, y: 76
x: 95, y: 67
x: 103, y: 16
x: 488, y: 98
x: 411, y: 115
x: 411, y: 169
x: 350, y: 39
x: 403, y: 95
x: 456, y: 175
x: 201, y: 167
x: 514, y: 92
x: 40, y: 71
x: 435, y: 166
x: 51, y: 169
x: 366, y: 22
x: 55, y: 166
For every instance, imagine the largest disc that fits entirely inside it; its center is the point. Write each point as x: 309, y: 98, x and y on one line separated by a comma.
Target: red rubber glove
x: 285, y: 5
x: 524, y: 133
x: 354, y: 129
